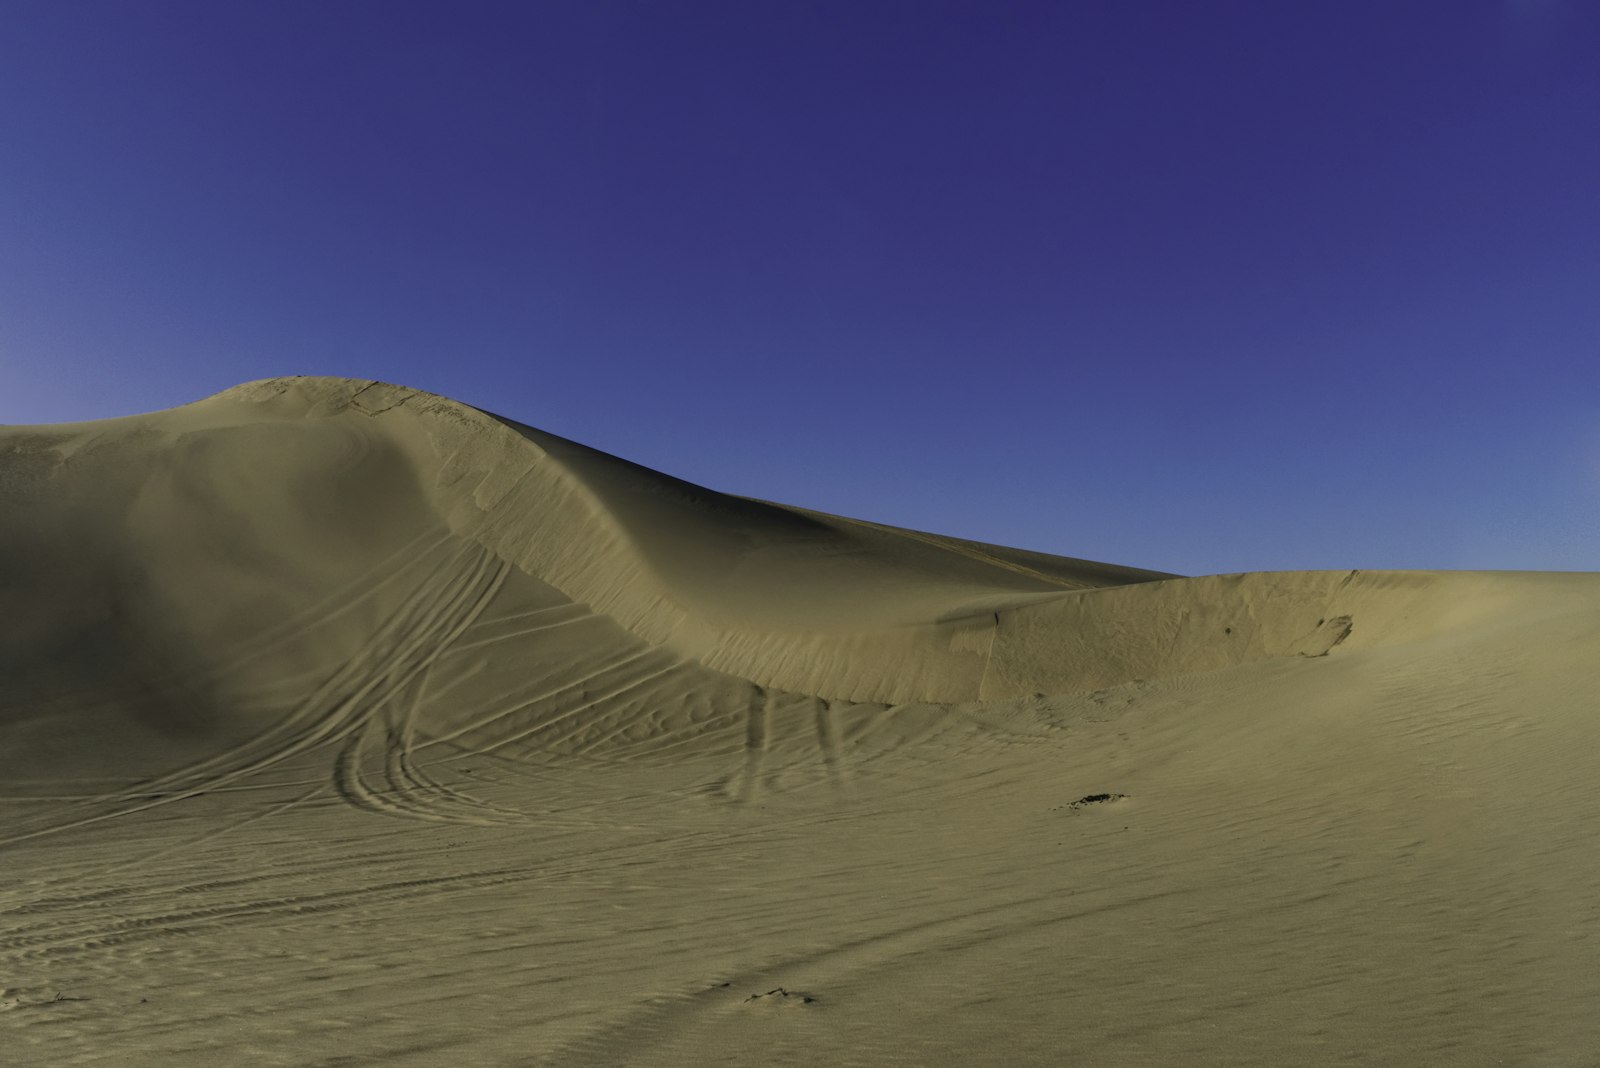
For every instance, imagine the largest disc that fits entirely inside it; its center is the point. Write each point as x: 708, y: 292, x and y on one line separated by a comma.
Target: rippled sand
x: 345, y: 724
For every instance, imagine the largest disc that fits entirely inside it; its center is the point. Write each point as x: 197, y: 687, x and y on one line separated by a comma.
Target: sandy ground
x: 342, y: 724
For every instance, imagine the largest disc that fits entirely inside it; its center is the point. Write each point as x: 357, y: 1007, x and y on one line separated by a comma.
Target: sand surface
x: 343, y: 724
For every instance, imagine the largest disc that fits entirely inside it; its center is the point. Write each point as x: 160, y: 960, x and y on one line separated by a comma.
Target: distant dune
x: 342, y: 723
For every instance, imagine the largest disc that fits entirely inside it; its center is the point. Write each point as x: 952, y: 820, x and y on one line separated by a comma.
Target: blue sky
x: 1195, y: 286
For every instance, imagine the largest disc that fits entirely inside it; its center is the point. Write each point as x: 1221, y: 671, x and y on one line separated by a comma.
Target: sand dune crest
x: 320, y: 680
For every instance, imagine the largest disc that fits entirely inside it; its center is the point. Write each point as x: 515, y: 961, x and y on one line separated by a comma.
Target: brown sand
x: 345, y: 724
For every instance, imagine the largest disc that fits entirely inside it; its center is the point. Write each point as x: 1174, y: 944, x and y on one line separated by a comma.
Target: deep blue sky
x: 1189, y: 285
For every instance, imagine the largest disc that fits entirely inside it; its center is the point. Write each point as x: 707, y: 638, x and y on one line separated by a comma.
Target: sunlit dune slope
x: 176, y: 557
x: 340, y: 721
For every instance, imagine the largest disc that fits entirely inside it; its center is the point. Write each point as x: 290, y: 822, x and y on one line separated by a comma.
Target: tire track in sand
x: 437, y: 612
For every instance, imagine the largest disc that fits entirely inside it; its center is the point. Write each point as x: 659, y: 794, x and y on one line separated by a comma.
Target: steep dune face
x: 235, y: 635
x: 150, y: 559
x: 186, y: 573
x: 173, y: 543
x: 296, y: 563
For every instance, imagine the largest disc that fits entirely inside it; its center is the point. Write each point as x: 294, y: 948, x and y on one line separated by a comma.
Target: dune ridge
x: 793, y: 599
x: 528, y: 754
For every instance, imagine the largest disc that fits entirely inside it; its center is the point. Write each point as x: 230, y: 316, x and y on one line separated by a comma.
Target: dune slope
x: 343, y: 723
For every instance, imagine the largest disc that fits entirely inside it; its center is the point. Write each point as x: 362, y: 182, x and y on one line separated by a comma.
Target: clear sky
x: 1200, y: 286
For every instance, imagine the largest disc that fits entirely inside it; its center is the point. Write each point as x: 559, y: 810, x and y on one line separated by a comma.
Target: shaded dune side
x: 333, y: 569
x: 249, y: 595
x: 784, y: 598
x: 225, y: 626
x: 848, y: 610
x: 318, y: 586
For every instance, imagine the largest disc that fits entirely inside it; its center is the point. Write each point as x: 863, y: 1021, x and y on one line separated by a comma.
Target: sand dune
x: 342, y: 723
